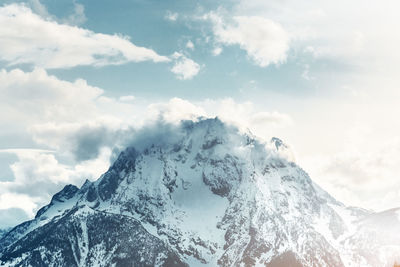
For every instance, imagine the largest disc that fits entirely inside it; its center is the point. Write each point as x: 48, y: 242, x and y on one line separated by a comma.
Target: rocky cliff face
x: 3, y: 232
x: 206, y: 195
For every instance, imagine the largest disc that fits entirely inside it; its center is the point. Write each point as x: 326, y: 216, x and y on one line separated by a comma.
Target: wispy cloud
x: 77, y: 17
x: 265, y: 41
x: 171, y: 16
x: 31, y: 39
x: 190, y: 45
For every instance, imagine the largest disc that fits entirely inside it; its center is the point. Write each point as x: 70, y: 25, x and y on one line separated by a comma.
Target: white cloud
x: 265, y: 41
x: 126, y: 98
x: 175, y: 110
x: 38, y: 175
x: 272, y: 119
x: 367, y: 178
x: 78, y: 17
x: 306, y: 73
x: 364, y: 39
x: 190, y: 45
x: 184, y: 68
x: 21, y: 201
x: 171, y: 16
x: 40, y: 9
x: 244, y: 115
x: 217, y: 51
x: 46, y: 110
x: 35, y: 96
x: 247, y: 116
x: 28, y: 38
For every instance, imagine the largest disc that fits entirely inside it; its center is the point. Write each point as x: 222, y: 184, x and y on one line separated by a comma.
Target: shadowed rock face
x: 3, y: 232
x: 286, y: 259
x: 208, y: 194
x: 84, y: 237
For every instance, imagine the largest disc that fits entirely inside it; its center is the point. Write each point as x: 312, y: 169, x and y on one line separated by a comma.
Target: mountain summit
x: 202, y: 193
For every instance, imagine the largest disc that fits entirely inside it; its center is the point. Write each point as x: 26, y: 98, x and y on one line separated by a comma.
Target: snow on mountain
x: 202, y: 194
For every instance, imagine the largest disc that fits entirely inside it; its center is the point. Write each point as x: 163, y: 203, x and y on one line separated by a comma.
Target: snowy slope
x: 205, y: 195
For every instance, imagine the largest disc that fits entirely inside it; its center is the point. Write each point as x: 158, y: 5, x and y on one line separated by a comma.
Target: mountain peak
x: 198, y: 193
x: 277, y: 142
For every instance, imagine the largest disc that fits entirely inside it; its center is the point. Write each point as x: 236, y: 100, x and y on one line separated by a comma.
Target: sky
x: 78, y: 77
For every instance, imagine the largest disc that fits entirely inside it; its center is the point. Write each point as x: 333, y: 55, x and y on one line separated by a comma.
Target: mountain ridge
x: 204, y: 193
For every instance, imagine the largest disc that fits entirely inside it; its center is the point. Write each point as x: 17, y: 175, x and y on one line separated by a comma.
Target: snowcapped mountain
x: 202, y: 194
